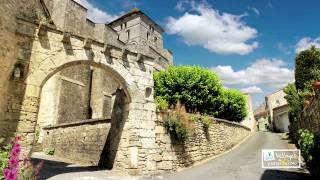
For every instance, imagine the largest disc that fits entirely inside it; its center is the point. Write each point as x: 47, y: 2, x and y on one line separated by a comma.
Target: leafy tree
x: 232, y: 105
x: 200, y: 91
x: 195, y: 87
x: 307, y: 68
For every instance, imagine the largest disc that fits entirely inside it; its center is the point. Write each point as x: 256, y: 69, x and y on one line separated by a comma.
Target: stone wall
x: 220, y: 137
x: 309, y: 118
x: 81, y: 141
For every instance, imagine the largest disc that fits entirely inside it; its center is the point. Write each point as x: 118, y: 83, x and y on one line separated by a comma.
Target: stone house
x: 261, y: 116
x: 274, y: 100
x: 281, y: 118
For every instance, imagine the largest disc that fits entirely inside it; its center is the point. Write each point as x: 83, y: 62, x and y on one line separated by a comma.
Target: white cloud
x: 306, y: 43
x: 255, y: 10
x: 251, y: 90
x: 269, y: 72
x: 95, y: 14
x: 283, y: 48
x: 221, y: 33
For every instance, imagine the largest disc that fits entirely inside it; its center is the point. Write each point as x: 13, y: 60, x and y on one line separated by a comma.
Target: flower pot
x: 316, y: 85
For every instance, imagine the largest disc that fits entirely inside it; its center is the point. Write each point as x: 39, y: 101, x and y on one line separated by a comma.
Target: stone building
x: 274, y: 100
x: 281, y: 119
x: 249, y: 120
x: 261, y: 116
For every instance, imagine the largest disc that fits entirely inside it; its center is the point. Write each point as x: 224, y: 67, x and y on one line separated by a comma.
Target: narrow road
x: 244, y: 162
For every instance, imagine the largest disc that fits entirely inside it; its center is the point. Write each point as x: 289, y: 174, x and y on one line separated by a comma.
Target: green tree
x: 200, y: 90
x: 195, y: 87
x: 307, y: 68
x: 232, y: 105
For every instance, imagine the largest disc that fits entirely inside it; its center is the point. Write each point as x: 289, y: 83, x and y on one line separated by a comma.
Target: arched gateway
x: 82, y: 88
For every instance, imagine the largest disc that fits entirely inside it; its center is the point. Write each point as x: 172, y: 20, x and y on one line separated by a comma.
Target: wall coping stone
x: 213, y: 118
x: 78, y: 123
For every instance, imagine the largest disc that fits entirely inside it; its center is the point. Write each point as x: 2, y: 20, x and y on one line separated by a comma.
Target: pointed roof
x: 133, y: 12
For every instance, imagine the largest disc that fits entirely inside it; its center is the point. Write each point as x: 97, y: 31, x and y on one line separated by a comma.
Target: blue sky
x: 250, y: 44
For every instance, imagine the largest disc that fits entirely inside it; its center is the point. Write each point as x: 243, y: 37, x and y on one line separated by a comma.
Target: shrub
x: 294, y: 100
x: 309, y: 144
x: 178, y: 123
x: 306, y: 143
x: 197, y: 88
x: 206, y: 121
x: 4, y: 157
x: 161, y: 103
x: 232, y: 105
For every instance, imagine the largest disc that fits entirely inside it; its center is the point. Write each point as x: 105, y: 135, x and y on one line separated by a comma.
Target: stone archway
x: 32, y: 104
x: 82, y: 111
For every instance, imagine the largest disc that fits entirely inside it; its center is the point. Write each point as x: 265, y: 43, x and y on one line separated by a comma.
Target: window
x: 148, y: 34
x: 125, y: 25
x: 128, y: 34
x: 155, y: 39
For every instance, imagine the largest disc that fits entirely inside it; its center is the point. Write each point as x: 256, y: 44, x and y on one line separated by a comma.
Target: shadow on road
x: 52, y: 168
x: 284, y: 175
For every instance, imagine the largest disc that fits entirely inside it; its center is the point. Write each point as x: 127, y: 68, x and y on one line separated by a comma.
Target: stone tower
x: 135, y: 27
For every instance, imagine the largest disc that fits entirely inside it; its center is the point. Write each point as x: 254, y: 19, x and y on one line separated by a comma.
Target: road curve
x: 243, y: 162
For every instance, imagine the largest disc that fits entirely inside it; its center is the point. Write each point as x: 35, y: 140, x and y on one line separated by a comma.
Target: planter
x: 316, y: 85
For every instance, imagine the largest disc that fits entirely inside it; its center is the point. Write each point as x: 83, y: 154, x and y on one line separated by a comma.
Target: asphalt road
x: 244, y: 162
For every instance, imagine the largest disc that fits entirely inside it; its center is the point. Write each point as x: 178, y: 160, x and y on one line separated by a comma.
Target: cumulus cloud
x: 251, y: 90
x: 218, y: 32
x: 268, y: 72
x: 306, y: 43
x: 95, y: 14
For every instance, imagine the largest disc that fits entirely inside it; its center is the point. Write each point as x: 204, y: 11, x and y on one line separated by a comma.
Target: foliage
x: 295, y: 101
x: 4, y: 157
x: 201, y: 91
x: 307, y: 65
x: 306, y: 143
x: 50, y: 151
x: 196, y: 87
x: 206, y: 121
x: 232, y: 105
x: 309, y: 144
x: 161, y: 103
x: 179, y: 124
x: 12, y: 168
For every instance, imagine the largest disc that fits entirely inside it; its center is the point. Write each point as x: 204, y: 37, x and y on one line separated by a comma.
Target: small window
x: 148, y: 35
x: 125, y: 25
x: 128, y: 34
x: 155, y: 39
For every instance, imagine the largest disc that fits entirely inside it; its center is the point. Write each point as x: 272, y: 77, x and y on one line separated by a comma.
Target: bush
x: 196, y: 87
x: 161, y: 103
x: 4, y: 156
x: 307, y: 65
x: 178, y: 123
x: 309, y: 145
x: 306, y: 143
x: 50, y: 151
x: 295, y: 101
x: 232, y: 105
x: 201, y: 91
